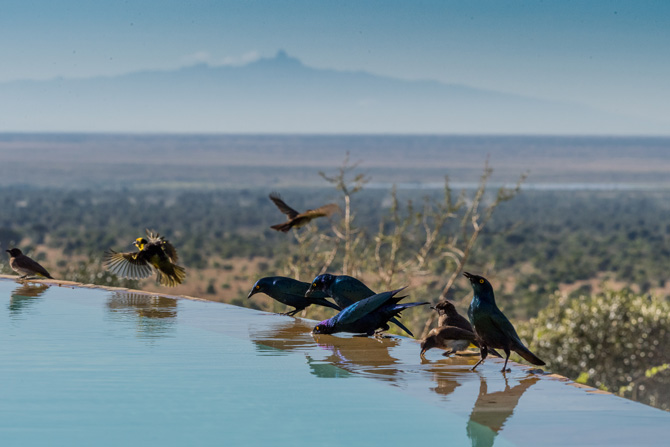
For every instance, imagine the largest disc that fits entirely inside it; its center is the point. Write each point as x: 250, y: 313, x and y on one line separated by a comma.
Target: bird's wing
x: 127, y: 265
x: 500, y: 322
x: 167, y: 247
x: 30, y: 264
x: 170, y: 251
x: 452, y: 333
x: 364, y: 307
x: 283, y: 207
x: 350, y: 288
x: 325, y: 210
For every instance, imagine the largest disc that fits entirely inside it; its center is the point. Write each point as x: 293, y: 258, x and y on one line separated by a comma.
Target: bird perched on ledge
x: 155, y: 252
x: 25, y: 266
x: 290, y: 292
x: 451, y: 338
x: 492, y: 328
x: 366, y: 316
x: 454, y: 332
x: 296, y: 219
x: 345, y: 291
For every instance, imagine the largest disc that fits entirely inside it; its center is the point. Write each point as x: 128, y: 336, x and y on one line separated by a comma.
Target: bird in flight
x: 155, y: 253
x: 296, y: 219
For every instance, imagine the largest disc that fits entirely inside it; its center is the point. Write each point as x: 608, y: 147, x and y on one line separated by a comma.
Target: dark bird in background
x: 296, y: 219
x: 290, y: 292
x: 25, y: 266
x: 451, y: 338
x: 492, y: 328
x: 366, y: 315
x: 345, y: 291
x: 155, y: 252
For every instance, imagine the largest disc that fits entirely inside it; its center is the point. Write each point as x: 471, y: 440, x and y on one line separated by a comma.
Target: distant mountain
x: 282, y: 95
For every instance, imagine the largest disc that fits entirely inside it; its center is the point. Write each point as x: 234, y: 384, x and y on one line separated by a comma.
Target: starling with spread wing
x: 296, y: 219
x: 155, y: 252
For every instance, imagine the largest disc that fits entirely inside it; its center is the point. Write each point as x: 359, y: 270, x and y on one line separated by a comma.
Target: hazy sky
x: 612, y: 55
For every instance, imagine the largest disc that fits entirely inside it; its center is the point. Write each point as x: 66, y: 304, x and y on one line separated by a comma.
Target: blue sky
x: 611, y: 55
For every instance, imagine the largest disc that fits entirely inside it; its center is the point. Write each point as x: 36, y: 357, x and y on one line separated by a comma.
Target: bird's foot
x: 448, y: 353
x: 506, y: 370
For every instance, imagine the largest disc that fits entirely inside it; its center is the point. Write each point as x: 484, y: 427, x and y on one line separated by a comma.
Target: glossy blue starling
x: 345, y: 291
x: 366, y: 316
x: 290, y: 292
x: 492, y: 328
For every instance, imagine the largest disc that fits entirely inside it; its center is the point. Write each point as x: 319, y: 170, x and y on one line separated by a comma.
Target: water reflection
x: 154, y: 316
x: 361, y: 355
x: 279, y: 339
x: 24, y: 296
x: 492, y: 410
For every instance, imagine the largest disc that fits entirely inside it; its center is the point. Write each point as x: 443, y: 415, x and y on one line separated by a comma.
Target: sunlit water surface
x: 93, y: 367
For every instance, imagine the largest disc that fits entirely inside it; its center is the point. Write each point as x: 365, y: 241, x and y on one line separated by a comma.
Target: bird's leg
x: 448, y: 353
x: 291, y: 313
x: 483, y: 352
x: 507, y: 353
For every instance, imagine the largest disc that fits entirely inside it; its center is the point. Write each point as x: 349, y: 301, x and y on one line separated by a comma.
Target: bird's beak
x: 423, y: 351
x: 7, y: 251
x: 309, y: 292
x: 468, y: 275
x: 253, y: 292
x: 433, y: 307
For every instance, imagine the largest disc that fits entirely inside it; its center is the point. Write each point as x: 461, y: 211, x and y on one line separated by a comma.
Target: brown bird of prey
x: 296, y: 219
x: 25, y: 266
x: 155, y: 253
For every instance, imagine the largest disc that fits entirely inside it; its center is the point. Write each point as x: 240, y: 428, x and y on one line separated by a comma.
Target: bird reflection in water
x: 492, y: 410
x: 155, y: 316
x: 347, y: 356
x: 362, y: 355
x: 24, y: 296
x: 282, y: 338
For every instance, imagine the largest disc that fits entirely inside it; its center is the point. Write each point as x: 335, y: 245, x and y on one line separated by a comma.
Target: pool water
x: 85, y: 366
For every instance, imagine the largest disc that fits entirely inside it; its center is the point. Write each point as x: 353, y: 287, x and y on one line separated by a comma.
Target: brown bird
x: 451, y: 338
x: 450, y: 320
x: 296, y: 219
x: 155, y: 253
x: 25, y: 266
x: 449, y: 316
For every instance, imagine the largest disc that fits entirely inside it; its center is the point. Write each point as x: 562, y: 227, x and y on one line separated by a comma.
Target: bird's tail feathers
x: 172, y: 276
x: 284, y: 227
x: 529, y: 356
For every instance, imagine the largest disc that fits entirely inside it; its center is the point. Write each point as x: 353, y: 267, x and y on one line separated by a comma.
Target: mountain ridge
x: 282, y: 94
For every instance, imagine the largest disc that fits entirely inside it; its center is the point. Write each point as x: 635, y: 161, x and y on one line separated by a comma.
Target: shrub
x: 616, y: 341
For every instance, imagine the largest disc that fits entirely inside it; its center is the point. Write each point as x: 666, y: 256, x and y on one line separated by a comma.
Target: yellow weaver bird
x: 154, y: 252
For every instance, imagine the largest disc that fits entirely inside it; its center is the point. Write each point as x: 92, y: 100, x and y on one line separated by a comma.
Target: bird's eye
x: 481, y: 281
x: 316, y: 328
x: 314, y: 285
x: 258, y: 287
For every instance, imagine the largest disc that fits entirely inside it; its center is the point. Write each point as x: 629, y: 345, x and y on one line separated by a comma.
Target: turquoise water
x: 94, y: 367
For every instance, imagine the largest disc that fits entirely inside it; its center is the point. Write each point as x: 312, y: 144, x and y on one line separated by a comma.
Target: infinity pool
x: 85, y: 366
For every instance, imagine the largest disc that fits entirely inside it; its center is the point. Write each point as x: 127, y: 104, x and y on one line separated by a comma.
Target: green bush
x: 616, y: 341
